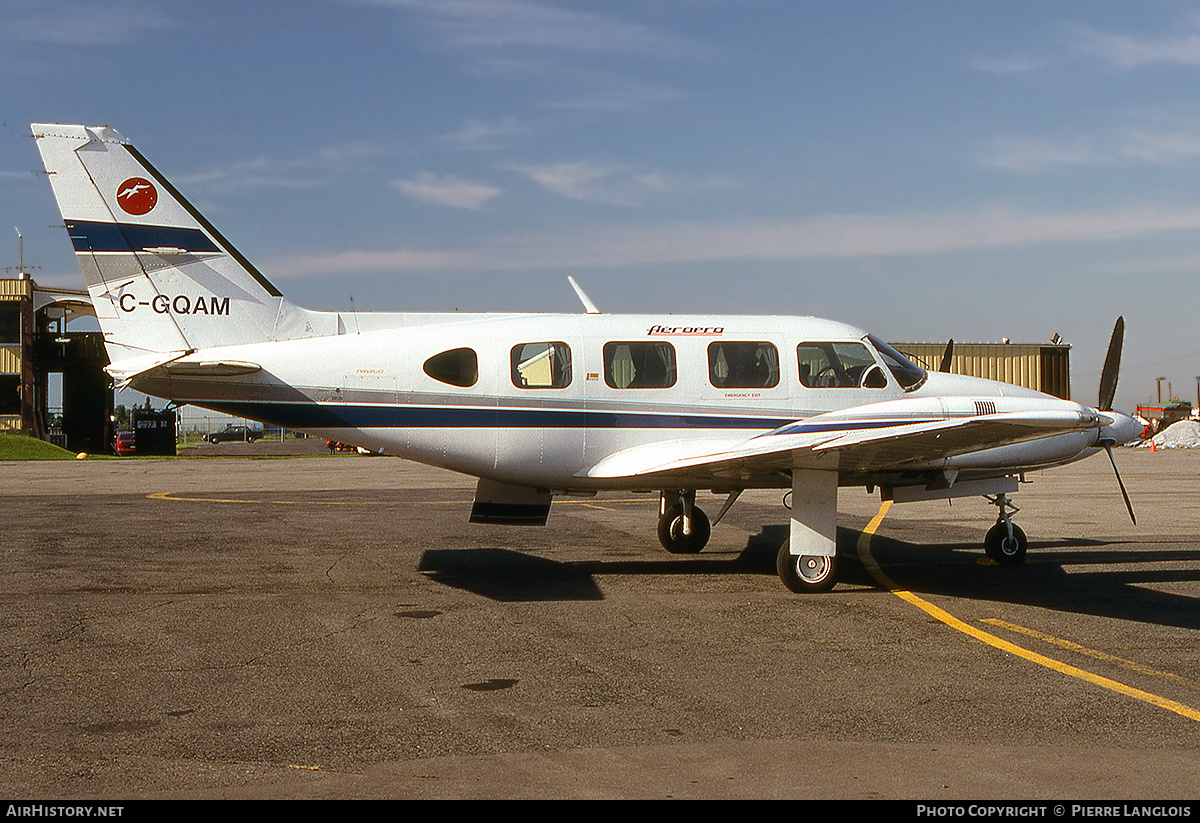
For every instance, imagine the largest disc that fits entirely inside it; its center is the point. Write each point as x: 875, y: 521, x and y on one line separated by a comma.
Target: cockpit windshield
x: 907, y: 373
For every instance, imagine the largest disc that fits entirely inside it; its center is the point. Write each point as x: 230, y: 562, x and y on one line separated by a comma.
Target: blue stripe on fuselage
x: 365, y: 416
x: 376, y: 416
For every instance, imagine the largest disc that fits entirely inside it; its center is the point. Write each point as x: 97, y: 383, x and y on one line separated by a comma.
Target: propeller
x: 1112, y: 364
x: 947, y: 356
x: 1108, y: 393
x: 1124, y: 494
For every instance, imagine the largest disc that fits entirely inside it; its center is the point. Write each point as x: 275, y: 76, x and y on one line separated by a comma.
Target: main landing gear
x: 806, y: 573
x: 682, y: 527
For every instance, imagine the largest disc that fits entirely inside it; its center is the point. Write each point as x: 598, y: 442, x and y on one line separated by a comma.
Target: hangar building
x: 35, y: 343
x: 1045, y: 367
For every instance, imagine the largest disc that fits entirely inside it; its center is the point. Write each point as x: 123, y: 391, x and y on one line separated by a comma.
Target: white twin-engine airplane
x: 535, y: 405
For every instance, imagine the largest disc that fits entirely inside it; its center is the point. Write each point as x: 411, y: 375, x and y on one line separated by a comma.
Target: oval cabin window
x: 457, y: 367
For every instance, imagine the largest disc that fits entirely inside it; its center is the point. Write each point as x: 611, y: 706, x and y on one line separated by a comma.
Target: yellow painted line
x: 864, y: 553
x: 1096, y: 653
x: 175, y: 498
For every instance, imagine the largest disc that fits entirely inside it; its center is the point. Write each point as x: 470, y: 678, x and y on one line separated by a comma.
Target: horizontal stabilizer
x: 176, y: 364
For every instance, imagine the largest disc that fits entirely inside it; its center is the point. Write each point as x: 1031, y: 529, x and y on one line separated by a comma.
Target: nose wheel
x: 1005, y: 542
x: 1006, y: 549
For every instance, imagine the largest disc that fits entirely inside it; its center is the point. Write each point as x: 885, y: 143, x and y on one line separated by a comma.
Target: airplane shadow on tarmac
x: 1104, y: 578
x: 1093, y: 577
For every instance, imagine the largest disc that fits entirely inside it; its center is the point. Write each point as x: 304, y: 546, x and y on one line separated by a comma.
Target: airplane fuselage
x: 372, y: 388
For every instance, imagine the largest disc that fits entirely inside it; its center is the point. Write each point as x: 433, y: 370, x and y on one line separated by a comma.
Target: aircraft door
x: 540, y: 434
x: 368, y: 397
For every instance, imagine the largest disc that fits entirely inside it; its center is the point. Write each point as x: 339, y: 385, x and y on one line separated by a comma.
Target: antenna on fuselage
x: 588, y: 305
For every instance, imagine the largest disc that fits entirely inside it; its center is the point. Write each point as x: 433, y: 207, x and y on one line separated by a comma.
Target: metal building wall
x: 1034, y: 366
x: 14, y: 357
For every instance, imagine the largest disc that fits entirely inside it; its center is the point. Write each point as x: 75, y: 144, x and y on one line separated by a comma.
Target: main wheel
x: 671, y: 536
x: 1005, y: 550
x: 805, y: 573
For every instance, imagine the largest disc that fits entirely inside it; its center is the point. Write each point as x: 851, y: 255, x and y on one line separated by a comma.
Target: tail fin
x: 163, y: 281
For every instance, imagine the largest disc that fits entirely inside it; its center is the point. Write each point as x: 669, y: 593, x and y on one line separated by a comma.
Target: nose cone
x: 1120, y: 430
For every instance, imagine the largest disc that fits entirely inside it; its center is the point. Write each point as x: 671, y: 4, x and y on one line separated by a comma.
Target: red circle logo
x: 137, y: 195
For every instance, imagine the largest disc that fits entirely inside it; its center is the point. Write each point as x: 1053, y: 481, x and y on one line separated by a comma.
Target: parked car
x: 123, y: 444
x: 233, y: 433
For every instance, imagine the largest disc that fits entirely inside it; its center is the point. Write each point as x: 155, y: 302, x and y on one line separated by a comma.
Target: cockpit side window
x: 734, y: 365
x: 541, y: 365
x: 639, y: 365
x: 908, y: 374
x: 838, y: 366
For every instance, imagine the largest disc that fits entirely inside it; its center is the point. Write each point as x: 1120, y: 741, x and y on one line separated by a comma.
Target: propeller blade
x: 1128, y: 505
x: 947, y: 356
x: 1112, y: 365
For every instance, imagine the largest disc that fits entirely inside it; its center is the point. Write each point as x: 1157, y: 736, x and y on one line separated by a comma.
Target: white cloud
x: 64, y: 22
x: 305, y: 171
x: 478, y: 135
x: 1009, y: 65
x: 444, y: 190
x: 1163, y: 147
x: 594, y: 182
x: 1152, y: 143
x: 1129, y: 51
x: 580, y: 180
x: 577, y: 53
x: 831, y: 236
x: 535, y: 24
x: 1029, y: 154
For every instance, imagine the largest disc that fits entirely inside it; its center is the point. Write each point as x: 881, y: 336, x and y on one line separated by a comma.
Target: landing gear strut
x: 682, y: 527
x: 1005, y: 542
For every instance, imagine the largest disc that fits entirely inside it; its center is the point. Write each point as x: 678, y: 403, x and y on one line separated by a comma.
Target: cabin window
x: 458, y: 367
x: 734, y: 365
x: 541, y: 365
x: 639, y: 365
x: 838, y: 366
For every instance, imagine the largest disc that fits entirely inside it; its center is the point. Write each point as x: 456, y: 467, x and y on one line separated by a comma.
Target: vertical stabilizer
x: 163, y: 280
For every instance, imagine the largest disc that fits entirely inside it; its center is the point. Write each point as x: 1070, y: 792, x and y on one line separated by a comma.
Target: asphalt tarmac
x: 332, y: 627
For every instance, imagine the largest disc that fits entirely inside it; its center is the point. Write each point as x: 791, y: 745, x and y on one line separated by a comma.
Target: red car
x: 123, y: 444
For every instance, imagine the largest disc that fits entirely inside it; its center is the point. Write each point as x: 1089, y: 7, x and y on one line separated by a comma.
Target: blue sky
x: 925, y: 170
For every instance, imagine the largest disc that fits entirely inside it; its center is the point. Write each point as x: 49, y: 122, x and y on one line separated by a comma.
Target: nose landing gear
x: 1005, y: 542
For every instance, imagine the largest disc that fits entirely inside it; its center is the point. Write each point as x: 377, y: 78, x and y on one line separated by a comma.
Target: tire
x: 1000, y: 548
x: 806, y: 574
x: 670, y: 531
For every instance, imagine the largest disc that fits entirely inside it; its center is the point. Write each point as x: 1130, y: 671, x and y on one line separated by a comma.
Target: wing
x: 862, y: 440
